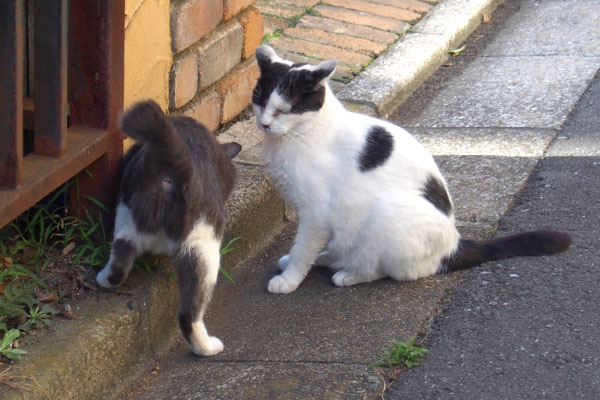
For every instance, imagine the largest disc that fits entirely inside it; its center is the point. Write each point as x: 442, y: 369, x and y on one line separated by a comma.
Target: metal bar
x: 41, y: 175
x: 11, y: 92
x: 50, y: 58
x: 96, y: 84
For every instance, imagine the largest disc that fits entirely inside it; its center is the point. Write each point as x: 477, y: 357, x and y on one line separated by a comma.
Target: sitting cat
x: 370, y: 199
x: 174, y: 184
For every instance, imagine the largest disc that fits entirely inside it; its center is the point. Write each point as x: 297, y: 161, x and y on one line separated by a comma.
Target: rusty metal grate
x: 77, y: 93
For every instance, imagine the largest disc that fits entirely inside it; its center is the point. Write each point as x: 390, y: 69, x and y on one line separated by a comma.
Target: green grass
x: 33, y: 245
x: 37, y: 243
x: 275, y: 35
x: 456, y: 52
x: 400, y: 354
x: 7, y: 345
x: 224, y: 251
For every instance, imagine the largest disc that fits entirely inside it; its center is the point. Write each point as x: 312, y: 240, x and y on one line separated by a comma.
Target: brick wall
x: 213, y: 70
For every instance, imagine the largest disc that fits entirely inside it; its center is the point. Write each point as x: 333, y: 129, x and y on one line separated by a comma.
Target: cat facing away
x: 172, y: 194
x: 370, y: 199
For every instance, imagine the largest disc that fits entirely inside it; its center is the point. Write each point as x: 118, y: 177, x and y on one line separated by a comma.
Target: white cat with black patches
x: 174, y: 185
x: 370, y: 199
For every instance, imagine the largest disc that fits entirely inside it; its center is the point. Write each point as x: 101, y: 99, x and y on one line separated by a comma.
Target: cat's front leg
x: 123, y: 253
x: 197, y: 267
x: 123, y: 250
x: 310, y: 240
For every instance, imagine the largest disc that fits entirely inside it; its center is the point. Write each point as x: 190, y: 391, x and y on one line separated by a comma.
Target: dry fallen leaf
x: 68, y: 248
x: 46, y: 297
x: 5, y: 261
x: 485, y: 18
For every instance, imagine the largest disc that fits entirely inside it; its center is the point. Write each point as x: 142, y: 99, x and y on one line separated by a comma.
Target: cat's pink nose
x: 266, y: 121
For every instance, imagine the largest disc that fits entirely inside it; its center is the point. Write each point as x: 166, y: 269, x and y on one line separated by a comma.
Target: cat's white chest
x: 301, y: 176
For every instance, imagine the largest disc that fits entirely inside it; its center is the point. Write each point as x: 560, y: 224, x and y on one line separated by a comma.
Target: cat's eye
x: 278, y: 111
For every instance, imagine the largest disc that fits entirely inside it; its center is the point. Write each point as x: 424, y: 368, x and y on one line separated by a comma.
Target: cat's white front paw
x: 344, y: 278
x: 279, y: 284
x: 283, y: 262
x: 209, y: 348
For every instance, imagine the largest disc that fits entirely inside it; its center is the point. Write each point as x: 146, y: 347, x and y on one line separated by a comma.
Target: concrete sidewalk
x: 490, y: 117
x: 117, y: 335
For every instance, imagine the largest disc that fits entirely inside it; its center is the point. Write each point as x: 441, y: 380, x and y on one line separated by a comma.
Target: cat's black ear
x: 265, y: 56
x: 232, y: 148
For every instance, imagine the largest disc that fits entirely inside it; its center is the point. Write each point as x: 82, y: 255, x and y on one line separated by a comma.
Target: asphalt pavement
x: 525, y: 328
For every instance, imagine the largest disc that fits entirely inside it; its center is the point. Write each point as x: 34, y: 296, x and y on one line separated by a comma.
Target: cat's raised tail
x: 147, y: 123
x: 537, y: 243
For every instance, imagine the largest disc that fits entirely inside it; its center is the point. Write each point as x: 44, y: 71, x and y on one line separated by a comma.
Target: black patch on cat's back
x: 435, y: 192
x: 377, y: 150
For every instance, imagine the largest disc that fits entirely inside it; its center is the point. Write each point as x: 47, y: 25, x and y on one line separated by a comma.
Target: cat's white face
x: 287, y: 93
x: 274, y: 118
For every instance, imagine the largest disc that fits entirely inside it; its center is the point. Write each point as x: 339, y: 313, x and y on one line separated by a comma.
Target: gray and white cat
x: 370, y: 199
x: 174, y: 184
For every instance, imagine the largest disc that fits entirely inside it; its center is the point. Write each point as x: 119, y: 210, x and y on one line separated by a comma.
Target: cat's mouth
x: 267, y: 129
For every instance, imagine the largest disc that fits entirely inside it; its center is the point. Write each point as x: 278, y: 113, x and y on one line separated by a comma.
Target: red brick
x: 252, y: 24
x: 361, y: 18
x: 207, y: 109
x: 231, y: 8
x: 236, y: 89
x: 376, y: 9
x: 275, y: 23
x: 319, y: 50
x: 220, y: 53
x: 184, y: 80
x: 414, y: 5
x: 343, y: 28
x: 363, y: 46
x: 193, y: 19
x: 342, y: 71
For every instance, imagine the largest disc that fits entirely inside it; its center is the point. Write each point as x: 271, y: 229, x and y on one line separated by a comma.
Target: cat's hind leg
x: 323, y: 260
x: 358, y: 266
x: 349, y: 278
x: 197, y: 267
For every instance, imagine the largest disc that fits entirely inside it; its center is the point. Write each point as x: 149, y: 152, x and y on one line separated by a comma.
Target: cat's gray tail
x: 537, y: 243
x: 146, y: 123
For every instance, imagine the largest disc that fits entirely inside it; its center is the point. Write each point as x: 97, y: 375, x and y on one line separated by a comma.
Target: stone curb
x: 119, y: 334
x: 395, y: 75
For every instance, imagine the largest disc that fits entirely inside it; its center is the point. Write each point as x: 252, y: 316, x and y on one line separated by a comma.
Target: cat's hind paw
x: 278, y: 284
x: 344, y: 278
x: 209, y: 348
x: 283, y: 262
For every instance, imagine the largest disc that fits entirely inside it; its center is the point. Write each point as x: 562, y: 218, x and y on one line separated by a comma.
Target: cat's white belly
x: 125, y: 228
